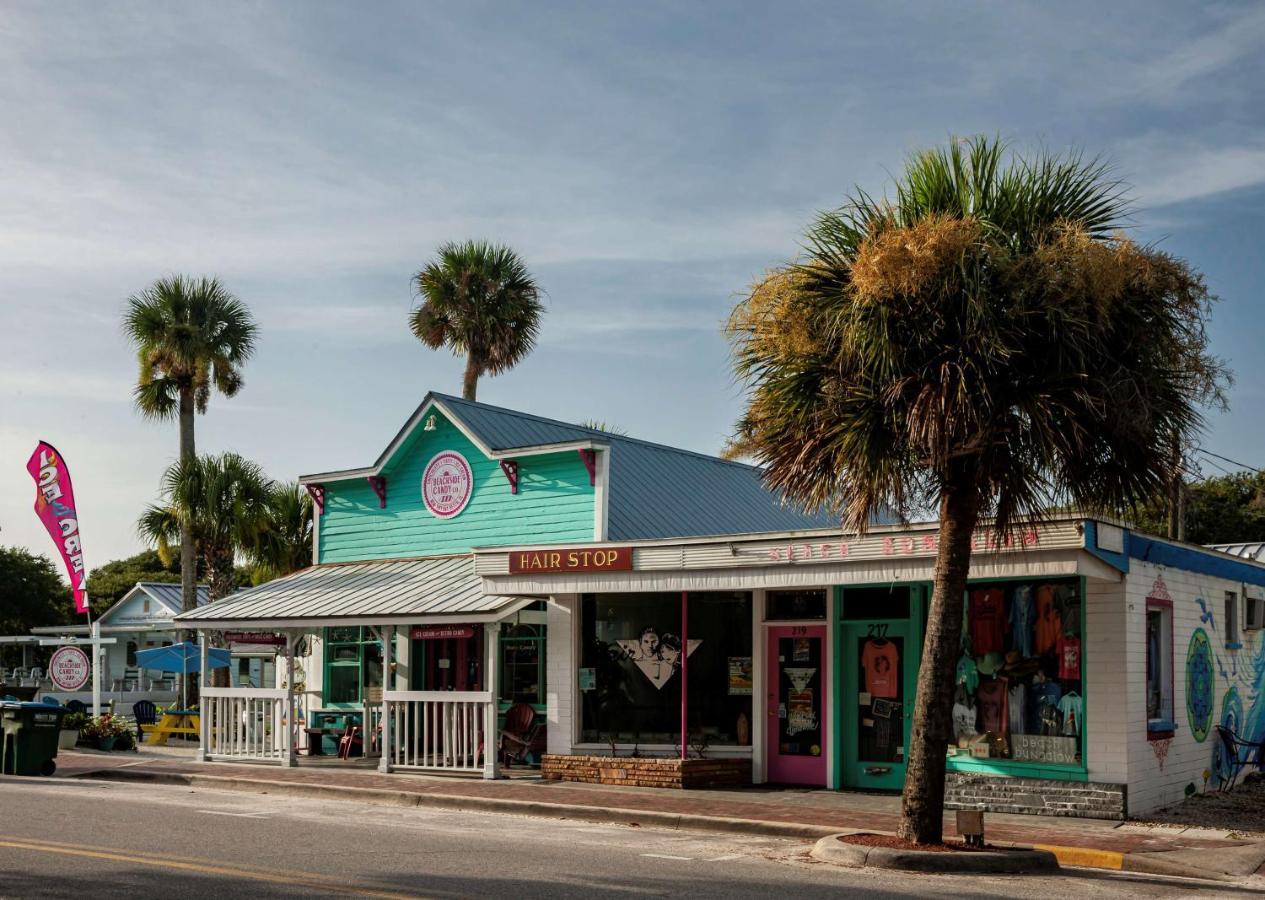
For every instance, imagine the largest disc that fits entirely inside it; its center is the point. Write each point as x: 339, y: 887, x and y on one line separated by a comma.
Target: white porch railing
x: 440, y: 730
x: 247, y: 723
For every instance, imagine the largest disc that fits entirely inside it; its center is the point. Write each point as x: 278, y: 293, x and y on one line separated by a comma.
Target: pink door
x: 796, y: 746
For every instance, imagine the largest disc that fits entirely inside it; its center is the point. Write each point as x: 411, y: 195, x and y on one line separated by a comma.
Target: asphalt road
x: 62, y: 838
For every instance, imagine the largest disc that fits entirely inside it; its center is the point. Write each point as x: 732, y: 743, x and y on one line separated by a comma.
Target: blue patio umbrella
x: 184, y: 657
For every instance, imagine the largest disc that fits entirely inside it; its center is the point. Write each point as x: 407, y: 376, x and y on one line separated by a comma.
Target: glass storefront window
x: 353, y: 665
x: 629, y: 678
x: 523, y: 664
x: 791, y: 605
x: 1018, y: 690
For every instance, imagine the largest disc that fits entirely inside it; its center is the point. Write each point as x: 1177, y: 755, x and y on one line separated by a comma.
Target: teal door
x: 880, y: 664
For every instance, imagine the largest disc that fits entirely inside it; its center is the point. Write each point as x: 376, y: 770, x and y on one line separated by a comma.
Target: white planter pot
x: 67, y: 738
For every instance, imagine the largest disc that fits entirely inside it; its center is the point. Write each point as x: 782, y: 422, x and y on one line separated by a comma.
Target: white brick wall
x: 1106, y: 711
x: 560, y: 671
x: 1150, y: 785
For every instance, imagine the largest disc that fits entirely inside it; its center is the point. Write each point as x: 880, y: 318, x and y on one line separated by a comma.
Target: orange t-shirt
x: 879, y: 662
x: 1049, y: 622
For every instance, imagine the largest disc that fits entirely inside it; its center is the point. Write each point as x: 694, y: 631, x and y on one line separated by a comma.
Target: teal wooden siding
x: 555, y: 502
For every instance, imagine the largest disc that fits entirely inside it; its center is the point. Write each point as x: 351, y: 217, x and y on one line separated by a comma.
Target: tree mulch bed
x: 894, y: 843
x: 1242, y: 810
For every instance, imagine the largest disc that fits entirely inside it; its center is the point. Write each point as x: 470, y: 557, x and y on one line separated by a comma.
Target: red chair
x: 520, y: 736
x: 351, y: 740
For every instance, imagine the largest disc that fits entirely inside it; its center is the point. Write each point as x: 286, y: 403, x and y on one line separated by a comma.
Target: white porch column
x: 491, y: 736
x: 388, y: 685
x: 96, y: 649
x: 290, y: 719
x: 204, y: 706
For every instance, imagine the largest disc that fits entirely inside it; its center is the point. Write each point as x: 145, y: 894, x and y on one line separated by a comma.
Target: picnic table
x: 173, y: 721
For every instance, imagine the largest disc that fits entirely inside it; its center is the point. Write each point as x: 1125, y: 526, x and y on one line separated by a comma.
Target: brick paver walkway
x: 800, y: 806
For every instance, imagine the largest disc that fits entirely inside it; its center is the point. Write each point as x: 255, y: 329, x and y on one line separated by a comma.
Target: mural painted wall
x: 1214, y: 683
x: 555, y: 502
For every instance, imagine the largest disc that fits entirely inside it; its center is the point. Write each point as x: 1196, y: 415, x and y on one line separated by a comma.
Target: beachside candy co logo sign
x: 68, y: 668
x: 447, y: 484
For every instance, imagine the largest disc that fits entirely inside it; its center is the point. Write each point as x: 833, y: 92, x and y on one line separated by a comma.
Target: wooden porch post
x: 388, y: 684
x: 491, y: 736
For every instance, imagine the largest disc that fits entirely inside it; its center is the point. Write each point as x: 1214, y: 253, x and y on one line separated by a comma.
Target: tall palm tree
x: 285, y: 543
x: 982, y: 343
x: 217, y: 505
x: 192, y: 337
x: 478, y: 299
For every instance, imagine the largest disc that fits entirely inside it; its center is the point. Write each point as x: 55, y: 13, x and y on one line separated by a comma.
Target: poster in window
x: 740, y: 679
x: 801, y: 712
x: 657, y: 654
x: 588, y: 679
x: 801, y: 650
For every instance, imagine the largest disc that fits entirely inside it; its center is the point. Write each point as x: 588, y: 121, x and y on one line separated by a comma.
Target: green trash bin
x: 30, y: 737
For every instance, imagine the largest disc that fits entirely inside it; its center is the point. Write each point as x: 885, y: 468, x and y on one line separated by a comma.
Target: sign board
x: 447, y: 484
x: 254, y: 637
x: 69, y: 668
x: 581, y: 559
x: 440, y: 632
x: 1042, y: 748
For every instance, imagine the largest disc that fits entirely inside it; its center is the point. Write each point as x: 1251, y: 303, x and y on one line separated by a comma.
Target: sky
x: 648, y: 160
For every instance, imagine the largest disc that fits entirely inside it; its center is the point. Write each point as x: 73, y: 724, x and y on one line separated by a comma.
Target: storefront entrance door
x: 876, y: 703
x: 796, y: 747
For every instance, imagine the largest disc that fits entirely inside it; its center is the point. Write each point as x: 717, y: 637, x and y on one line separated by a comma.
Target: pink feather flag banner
x: 55, y: 505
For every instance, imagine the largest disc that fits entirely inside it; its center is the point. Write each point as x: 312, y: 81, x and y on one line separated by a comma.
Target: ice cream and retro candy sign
x: 55, y: 505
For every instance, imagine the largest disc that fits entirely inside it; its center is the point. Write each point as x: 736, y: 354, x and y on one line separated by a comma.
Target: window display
x: 631, y: 644
x: 1017, y: 692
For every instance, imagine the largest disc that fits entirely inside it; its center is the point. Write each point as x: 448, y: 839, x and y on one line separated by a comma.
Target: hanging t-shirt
x: 1023, y: 617
x: 1018, y: 703
x: 964, y: 720
x: 1049, y: 623
x: 1067, y: 602
x: 988, y: 621
x: 968, y: 674
x: 1069, y: 656
x: 1044, y: 697
x: 879, y: 659
x: 1071, y: 707
x: 993, y: 705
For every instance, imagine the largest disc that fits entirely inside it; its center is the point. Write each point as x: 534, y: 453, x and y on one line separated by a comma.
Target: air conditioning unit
x: 1254, y: 614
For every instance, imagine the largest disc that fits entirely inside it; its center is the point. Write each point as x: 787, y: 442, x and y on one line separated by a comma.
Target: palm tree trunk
x: 188, y: 553
x: 220, y: 579
x: 470, y: 383
x: 922, y: 802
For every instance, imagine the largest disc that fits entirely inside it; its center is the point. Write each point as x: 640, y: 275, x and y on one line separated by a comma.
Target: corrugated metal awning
x: 390, y: 592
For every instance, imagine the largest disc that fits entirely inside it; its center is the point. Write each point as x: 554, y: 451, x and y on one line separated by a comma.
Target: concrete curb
x: 1077, y: 857
x: 601, y: 814
x: 1019, y: 861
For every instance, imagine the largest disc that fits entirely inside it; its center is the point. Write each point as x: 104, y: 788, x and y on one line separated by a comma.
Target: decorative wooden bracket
x: 510, y: 468
x: 590, y: 463
x: 317, y: 493
x: 379, y: 485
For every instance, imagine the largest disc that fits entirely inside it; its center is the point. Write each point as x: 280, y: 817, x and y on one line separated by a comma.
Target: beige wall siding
x: 560, y: 673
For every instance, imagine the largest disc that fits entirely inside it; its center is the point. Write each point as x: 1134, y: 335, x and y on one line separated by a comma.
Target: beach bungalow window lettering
x: 657, y: 655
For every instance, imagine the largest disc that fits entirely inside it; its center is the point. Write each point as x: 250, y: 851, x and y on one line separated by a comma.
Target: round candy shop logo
x: 68, y: 668
x: 447, y: 484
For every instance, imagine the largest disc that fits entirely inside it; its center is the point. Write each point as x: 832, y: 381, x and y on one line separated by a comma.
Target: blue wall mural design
x: 1232, y: 719
x: 1200, y: 679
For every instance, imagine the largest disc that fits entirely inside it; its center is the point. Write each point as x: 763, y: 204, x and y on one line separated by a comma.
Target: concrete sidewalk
x: 785, y: 812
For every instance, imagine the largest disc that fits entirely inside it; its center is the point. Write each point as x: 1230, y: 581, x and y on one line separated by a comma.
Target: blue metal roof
x: 655, y: 491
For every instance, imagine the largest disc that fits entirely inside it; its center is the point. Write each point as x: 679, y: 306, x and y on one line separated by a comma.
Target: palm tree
x: 480, y: 300
x: 217, y: 505
x: 984, y: 343
x: 285, y: 544
x: 191, y: 337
